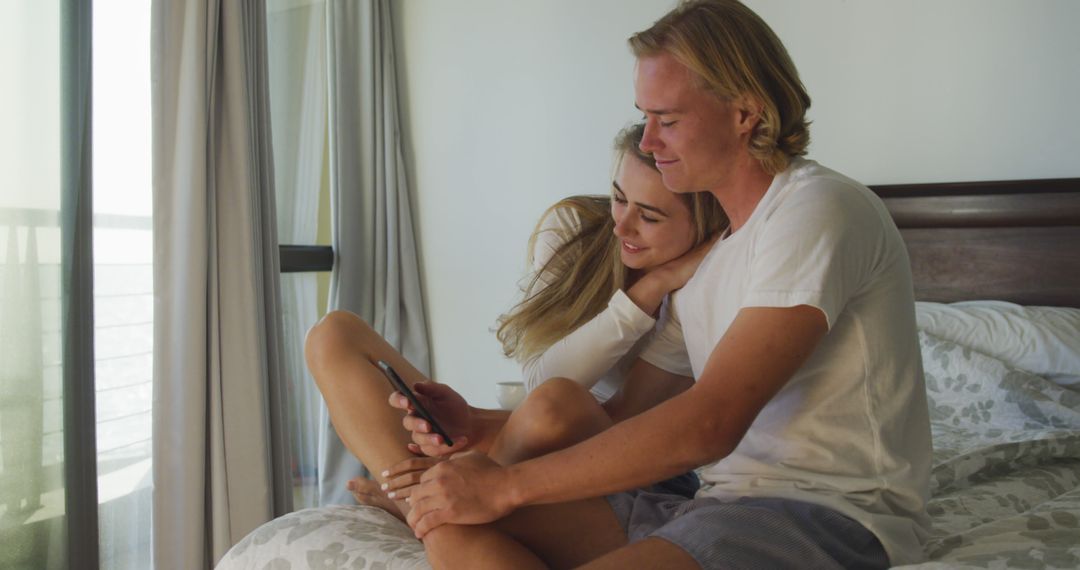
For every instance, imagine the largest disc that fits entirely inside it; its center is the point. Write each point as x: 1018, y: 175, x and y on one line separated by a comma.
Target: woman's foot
x: 367, y: 492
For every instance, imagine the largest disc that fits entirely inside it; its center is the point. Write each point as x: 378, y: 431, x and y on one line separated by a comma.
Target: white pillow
x: 1041, y: 340
x: 334, y: 536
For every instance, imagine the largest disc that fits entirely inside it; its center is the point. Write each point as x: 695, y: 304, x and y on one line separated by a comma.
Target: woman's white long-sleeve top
x: 598, y: 353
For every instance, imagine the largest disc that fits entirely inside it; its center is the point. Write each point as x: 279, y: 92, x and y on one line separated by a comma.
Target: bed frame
x: 1016, y: 240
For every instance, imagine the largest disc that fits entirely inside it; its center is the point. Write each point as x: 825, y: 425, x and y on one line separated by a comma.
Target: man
x: 808, y: 410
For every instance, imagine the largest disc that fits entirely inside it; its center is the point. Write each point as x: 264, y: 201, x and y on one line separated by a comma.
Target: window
x: 76, y: 274
x: 75, y: 466
x: 123, y: 285
x: 33, y: 509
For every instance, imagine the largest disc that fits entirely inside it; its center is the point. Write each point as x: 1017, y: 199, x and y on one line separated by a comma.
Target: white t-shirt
x: 850, y: 430
x: 598, y: 353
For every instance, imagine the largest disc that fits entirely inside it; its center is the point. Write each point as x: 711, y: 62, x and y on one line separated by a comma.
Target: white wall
x: 510, y: 105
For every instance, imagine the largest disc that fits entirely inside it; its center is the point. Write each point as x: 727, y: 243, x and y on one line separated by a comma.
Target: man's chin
x: 677, y: 184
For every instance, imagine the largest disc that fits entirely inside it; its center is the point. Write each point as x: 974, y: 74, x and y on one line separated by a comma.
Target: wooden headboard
x: 1016, y: 240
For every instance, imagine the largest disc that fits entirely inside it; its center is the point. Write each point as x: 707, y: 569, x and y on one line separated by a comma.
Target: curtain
x: 221, y: 463
x: 297, y: 61
x: 48, y: 496
x: 376, y: 272
x: 21, y: 375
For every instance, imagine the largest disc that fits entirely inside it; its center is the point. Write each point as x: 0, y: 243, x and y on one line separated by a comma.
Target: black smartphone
x: 419, y: 409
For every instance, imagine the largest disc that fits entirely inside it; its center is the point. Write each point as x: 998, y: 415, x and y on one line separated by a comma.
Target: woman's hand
x: 649, y: 291
x: 678, y: 271
x: 403, y: 477
x: 448, y: 408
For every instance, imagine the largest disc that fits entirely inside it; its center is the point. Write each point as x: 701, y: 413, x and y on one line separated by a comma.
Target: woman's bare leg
x: 579, y: 534
x: 648, y: 554
x: 556, y: 415
x: 369, y: 493
x: 564, y: 535
x: 341, y: 350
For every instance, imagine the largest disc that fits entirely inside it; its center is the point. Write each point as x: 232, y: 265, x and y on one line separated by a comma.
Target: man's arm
x: 760, y: 352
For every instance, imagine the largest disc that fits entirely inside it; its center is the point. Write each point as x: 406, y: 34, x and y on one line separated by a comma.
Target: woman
x: 632, y: 250
x: 587, y: 256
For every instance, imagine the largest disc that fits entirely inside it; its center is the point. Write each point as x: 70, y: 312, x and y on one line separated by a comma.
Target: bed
x: 996, y: 267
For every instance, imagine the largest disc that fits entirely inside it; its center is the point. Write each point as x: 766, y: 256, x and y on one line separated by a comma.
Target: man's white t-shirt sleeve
x: 814, y: 250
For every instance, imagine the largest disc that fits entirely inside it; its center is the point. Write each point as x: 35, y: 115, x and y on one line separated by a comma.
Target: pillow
x: 986, y: 396
x: 1040, y: 340
x: 334, y: 536
x: 990, y: 420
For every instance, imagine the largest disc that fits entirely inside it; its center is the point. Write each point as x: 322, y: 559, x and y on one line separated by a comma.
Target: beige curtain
x: 220, y: 452
x: 297, y: 60
x: 376, y: 272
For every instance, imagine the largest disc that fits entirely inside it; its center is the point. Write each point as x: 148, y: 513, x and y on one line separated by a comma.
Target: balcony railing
x: 31, y: 378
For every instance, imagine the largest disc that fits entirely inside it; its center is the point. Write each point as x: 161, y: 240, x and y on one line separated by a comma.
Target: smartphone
x: 419, y: 409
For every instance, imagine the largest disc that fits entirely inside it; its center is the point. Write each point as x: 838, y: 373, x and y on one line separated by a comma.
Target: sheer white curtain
x: 297, y: 57
x: 220, y: 447
x: 33, y: 513
x: 376, y: 272
x: 32, y: 510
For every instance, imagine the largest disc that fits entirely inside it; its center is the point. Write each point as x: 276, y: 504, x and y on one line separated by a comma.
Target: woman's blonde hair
x: 734, y: 54
x: 585, y: 271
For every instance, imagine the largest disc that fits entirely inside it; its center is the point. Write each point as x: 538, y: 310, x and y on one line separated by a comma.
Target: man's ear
x: 748, y: 112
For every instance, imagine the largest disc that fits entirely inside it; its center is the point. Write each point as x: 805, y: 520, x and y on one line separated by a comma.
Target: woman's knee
x: 561, y: 408
x: 337, y: 334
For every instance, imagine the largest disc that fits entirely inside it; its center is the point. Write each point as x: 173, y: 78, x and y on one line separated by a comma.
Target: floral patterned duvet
x: 1005, y: 486
x: 1005, y: 489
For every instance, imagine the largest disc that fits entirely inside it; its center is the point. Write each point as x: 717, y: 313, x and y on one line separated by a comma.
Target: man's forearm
x: 672, y: 438
x: 760, y: 352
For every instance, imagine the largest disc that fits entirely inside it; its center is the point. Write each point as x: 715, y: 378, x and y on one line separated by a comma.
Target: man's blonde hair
x: 734, y: 54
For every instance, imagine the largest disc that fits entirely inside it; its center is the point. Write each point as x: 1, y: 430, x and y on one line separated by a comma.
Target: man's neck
x: 744, y: 189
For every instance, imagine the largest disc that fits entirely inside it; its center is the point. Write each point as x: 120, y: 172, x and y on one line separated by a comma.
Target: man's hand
x: 468, y: 489
x: 451, y: 411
